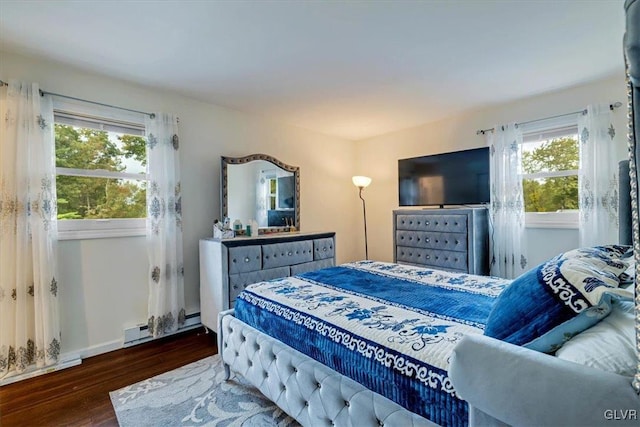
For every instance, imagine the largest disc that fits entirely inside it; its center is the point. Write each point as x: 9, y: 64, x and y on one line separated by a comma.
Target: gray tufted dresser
x: 445, y: 239
x: 227, y: 266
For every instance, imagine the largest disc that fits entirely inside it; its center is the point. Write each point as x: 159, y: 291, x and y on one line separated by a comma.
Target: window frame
x: 70, y: 229
x: 554, y: 127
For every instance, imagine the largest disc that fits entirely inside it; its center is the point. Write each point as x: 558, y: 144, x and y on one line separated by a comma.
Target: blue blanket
x: 389, y: 327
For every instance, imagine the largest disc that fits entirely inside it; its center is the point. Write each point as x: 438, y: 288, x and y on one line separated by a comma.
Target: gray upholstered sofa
x: 510, y: 385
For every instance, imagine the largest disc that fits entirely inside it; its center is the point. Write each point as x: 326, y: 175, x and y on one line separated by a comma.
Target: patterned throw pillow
x: 560, y: 298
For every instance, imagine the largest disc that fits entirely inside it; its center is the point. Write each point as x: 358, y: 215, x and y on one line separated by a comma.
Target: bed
x: 371, y: 343
x: 387, y: 328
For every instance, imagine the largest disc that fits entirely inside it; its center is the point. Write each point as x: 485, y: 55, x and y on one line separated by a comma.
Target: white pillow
x: 608, y: 345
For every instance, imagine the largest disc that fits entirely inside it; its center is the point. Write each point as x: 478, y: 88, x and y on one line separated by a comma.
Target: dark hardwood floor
x: 79, y: 396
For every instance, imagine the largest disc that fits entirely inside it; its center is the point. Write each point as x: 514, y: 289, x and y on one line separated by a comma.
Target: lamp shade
x: 361, y: 181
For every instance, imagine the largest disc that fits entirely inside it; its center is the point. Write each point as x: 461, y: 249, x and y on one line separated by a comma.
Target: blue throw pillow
x: 560, y: 298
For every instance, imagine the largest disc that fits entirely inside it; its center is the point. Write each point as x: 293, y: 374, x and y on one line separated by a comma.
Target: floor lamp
x: 362, y: 182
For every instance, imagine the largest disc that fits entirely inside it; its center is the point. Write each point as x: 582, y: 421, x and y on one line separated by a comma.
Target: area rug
x: 196, y: 395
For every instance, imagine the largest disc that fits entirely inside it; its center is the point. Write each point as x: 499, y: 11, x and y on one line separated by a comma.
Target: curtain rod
x: 611, y: 107
x: 43, y: 92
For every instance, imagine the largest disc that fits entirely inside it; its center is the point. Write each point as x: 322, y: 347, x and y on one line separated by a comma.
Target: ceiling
x: 352, y: 69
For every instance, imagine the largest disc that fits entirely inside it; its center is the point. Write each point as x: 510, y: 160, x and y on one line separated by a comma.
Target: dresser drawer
x: 323, y: 248
x: 443, y: 223
x: 436, y: 258
x: 245, y: 258
x: 311, y: 266
x: 237, y: 282
x: 289, y: 253
x: 432, y: 240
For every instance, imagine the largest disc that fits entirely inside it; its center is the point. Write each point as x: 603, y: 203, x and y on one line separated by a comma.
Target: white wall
x: 377, y: 157
x: 103, y: 282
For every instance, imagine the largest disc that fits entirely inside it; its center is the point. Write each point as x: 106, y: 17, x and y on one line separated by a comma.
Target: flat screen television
x: 456, y: 178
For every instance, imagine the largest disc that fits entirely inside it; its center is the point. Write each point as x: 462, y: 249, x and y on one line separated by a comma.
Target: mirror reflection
x: 260, y: 188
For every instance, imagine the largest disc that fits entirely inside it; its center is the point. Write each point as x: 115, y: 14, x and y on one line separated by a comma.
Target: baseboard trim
x: 74, y: 358
x: 94, y: 350
x: 35, y: 372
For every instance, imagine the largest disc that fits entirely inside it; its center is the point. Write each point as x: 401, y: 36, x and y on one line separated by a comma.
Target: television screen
x: 457, y: 178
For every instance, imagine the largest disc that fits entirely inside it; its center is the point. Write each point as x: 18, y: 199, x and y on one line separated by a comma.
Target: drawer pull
x: 428, y: 257
x: 289, y: 253
x: 246, y: 259
x: 324, y: 249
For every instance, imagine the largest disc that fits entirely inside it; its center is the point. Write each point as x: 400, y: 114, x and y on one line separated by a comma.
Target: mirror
x: 262, y: 188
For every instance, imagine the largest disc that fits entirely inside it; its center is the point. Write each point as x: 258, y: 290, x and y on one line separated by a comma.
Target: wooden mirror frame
x: 226, y: 161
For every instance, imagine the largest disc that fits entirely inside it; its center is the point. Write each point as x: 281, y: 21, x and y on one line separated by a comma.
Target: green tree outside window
x: 551, y: 194
x: 92, y: 197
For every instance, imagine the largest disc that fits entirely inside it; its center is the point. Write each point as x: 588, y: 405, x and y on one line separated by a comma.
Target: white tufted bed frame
x: 310, y: 392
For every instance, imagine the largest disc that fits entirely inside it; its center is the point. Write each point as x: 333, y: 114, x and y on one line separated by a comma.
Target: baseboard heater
x: 140, y: 333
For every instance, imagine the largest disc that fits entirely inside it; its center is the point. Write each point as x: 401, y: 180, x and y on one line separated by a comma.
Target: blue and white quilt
x: 389, y: 327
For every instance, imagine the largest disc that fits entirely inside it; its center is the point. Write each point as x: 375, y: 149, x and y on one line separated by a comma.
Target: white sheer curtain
x: 29, y: 322
x: 598, y: 177
x: 164, y: 226
x: 508, y: 241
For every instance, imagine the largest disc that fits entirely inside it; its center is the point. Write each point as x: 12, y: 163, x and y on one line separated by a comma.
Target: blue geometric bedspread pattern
x: 389, y: 327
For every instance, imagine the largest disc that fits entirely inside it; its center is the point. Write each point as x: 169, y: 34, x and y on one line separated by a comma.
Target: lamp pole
x: 364, y: 214
x: 362, y: 182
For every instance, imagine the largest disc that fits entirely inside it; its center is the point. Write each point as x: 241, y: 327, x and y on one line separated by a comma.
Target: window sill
x: 78, y: 229
x: 563, y: 220
x: 104, y: 234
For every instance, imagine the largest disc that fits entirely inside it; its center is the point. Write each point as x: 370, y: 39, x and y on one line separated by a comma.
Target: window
x: 273, y: 184
x: 550, y: 163
x: 101, y: 173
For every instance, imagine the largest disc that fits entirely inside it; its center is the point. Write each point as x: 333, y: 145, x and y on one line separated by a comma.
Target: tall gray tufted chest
x: 445, y: 239
x: 227, y: 266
